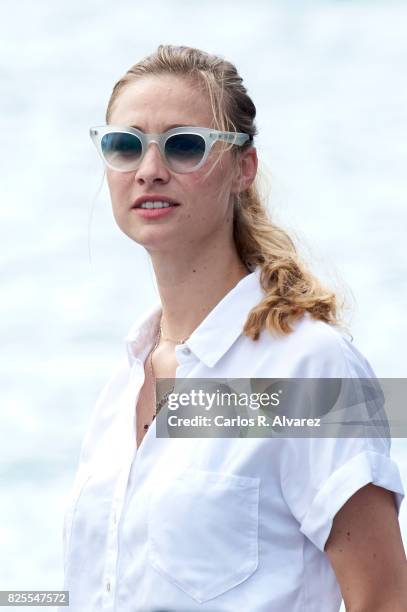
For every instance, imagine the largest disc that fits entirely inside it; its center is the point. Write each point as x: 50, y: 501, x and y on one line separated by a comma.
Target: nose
x: 152, y: 168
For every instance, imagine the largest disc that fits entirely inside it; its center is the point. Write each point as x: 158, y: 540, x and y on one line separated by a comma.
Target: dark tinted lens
x: 184, y: 151
x: 122, y: 151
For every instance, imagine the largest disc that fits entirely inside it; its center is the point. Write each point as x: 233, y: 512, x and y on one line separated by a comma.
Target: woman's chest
x: 159, y: 373
x: 197, y: 519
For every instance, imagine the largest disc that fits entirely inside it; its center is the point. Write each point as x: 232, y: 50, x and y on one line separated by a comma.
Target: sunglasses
x: 183, y: 149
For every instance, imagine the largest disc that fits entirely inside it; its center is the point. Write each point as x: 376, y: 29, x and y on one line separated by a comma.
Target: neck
x: 190, y: 288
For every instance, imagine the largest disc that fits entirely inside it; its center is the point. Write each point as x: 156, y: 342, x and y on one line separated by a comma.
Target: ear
x: 246, y: 170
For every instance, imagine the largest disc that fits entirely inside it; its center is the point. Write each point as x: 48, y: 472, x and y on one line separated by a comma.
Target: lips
x: 154, y: 198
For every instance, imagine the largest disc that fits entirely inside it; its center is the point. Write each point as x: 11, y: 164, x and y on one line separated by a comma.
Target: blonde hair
x: 291, y: 289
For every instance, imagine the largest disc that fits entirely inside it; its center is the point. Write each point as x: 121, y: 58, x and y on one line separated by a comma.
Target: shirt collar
x: 214, y: 335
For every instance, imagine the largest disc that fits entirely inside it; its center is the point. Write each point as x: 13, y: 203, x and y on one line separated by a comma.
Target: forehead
x: 153, y: 103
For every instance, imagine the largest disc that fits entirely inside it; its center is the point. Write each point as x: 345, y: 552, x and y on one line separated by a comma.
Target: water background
x: 328, y: 80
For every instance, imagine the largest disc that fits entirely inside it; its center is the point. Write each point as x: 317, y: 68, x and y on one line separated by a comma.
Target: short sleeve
x: 318, y: 475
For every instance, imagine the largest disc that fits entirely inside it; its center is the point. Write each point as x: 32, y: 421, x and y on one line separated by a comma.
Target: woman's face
x: 154, y: 104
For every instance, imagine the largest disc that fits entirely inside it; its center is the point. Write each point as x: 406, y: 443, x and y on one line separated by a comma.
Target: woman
x: 220, y: 524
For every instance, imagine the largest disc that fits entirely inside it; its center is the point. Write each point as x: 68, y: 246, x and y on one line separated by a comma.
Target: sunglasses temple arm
x: 234, y: 138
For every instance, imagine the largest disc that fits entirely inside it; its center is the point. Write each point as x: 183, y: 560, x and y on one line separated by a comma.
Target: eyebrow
x: 169, y: 127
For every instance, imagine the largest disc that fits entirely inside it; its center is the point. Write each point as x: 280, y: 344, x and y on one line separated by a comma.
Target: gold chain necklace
x: 162, y: 401
x: 171, y: 339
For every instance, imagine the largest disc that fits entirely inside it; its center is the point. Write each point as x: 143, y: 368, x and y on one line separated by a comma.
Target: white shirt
x: 215, y: 524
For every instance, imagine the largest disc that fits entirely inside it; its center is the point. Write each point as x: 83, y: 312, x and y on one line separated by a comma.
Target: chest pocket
x: 203, y: 531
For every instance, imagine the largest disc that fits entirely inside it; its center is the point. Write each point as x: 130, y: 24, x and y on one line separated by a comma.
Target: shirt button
x: 108, y: 586
x: 186, y: 350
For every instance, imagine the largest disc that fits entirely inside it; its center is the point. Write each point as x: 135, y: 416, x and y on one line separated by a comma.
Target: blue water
x: 328, y: 81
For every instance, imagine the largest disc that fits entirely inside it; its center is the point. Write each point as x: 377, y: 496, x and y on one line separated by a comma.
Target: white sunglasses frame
x: 209, y: 135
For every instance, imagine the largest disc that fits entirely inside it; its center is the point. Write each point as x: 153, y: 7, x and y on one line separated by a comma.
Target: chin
x: 152, y: 238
